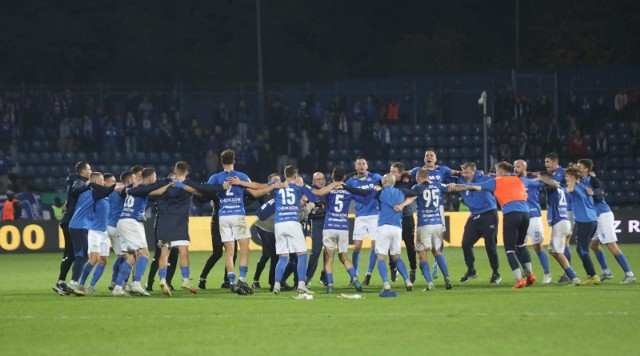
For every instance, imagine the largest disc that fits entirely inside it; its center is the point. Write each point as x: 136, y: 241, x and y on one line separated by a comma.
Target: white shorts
x: 234, y: 227
x: 170, y: 244
x: 571, y: 221
x: 605, y: 232
x: 389, y: 239
x: 98, y: 242
x: 535, y: 230
x: 429, y: 237
x: 132, y: 235
x: 559, y: 233
x: 114, y: 237
x: 444, y: 225
x: 365, y: 225
x: 336, y: 238
x: 290, y: 238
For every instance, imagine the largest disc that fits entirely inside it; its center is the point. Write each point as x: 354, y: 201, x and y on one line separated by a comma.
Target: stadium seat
x: 476, y: 129
x: 454, y: 164
x: 466, y: 129
x: 44, y: 157
x: 624, y: 138
x: 620, y: 196
x: 47, y: 146
x: 464, y: 140
x: 407, y: 130
x: 22, y: 157
x: 476, y: 140
x: 38, y: 184
x: 614, y: 173
x: 141, y: 158
x: 427, y: 141
x: 615, y: 162
x: 68, y: 158
x: 33, y: 158
x: 442, y: 129
x: 612, y: 138
x: 27, y: 171
x: 628, y: 173
x: 56, y: 157
x: 610, y: 127
x: 454, y: 140
x: 453, y: 129
x: 613, y: 185
x: 417, y: 153
x: 442, y: 141
x: 405, y: 141
x: 430, y: 129
x: 50, y: 183
x: 622, y: 127
x: 405, y: 154
x: 636, y: 184
x: 632, y: 197
x: 379, y: 166
x: 81, y: 156
x: 333, y: 154
x: 626, y: 185
x: 395, y: 131
x: 466, y: 153
x: 417, y: 130
x: 357, y: 153
x: 454, y: 153
x: 36, y: 146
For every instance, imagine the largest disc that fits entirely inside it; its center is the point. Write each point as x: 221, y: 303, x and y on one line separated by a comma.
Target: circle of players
x: 101, y: 213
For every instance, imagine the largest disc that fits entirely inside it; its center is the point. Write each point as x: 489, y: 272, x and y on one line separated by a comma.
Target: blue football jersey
x: 231, y: 200
x: 288, y: 202
x: 556, y: 206
x: 116, y: 201
x: 584, y: 209
x: 366, y: 182
x: 428, y: 203
x: 100, y: 217
x: 388, y: 198
x: 84, y: 208
x: 601, y: 203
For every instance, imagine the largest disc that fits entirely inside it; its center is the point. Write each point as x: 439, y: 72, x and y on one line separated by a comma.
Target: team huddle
x: 101, y: 213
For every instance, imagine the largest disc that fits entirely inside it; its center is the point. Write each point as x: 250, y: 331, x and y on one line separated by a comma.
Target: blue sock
x: 544, y: 261
x: 243, y: 272
x: 402, y: 268
x: 141, y: 266
x: 355, y: 257
x: 602, y: 259
x: 424, y: 267
x: 96, y: 275
x: 162, y: 272
x: 185, y: 271
x: 623, y: 263
x: 116, y: 268
x: 570, y: 273
x: 86, y: 271
x: 280, y: 267
x: 302, y: 266
x: 352, y: 272
x: 442, y: 263
x: 567, y: 253
x: 123, y: 275
x: 382, y: 268
x: 372, y: 261
x: 330, y: 279
x: 232, y: 277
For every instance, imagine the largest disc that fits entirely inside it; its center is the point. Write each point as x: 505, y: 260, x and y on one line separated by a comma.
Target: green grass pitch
x: 473, y: 318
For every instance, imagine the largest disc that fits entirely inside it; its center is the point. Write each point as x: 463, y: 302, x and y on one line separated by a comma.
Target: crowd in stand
x: 303, y: 136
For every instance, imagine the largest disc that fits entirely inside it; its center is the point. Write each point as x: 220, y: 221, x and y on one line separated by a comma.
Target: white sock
x: 518, y: 274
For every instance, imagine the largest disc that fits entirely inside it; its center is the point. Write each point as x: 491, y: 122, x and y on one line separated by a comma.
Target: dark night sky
x: 215, y: 41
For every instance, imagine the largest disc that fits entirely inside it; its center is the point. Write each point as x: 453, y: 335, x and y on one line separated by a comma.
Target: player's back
x: 82, y: 214
x: 231, y: 201
x: 100, y: 217
x: 336, y: 217
x: 390, y: 197
x: 366, y: 182
x: 428, y: 203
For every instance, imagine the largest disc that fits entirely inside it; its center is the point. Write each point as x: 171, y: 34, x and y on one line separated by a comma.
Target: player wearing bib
x: 392, y: 201
x: 81, y: 223
x: 116, y: 201
x: 289, y: 235
x: 586, y: 221
x: 335, y: 233
x: 98, y: 239
x: 535, y: 230
x: 551, y: 162
x: 366, y: 220
x: 430, y: 226
x: 605, y: 232
x: 510, y: 191
x: 437, y: 175
x: 131, y: 231
x: 559, y: 222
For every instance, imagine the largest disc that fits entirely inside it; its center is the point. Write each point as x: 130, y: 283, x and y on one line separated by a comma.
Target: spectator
x: 5, y: 166
x: 304, y: 153
x: 165, y: 135
x: 131, y: 133
x: 578, y: 145
x: 393, y: 111
x: 179, y: 132
x: 302, y: 118
x: 65, y: 134
x: 11, y: 208
x: 6, y: 132
x: 211, y: 162
x: 602, y: 151
x: 221, y: 117
x: 572, y: 114
x: 619, y: 102
x: 535, y: 139
x: 145, y: 106
x: 57, y: 208
x: 543, y: 108
x: 110, y: 143
x: 242, y: 119
x: 147, y: 135
x: 523, y: 149
x: 431, y: 108
x: 87, y: 137
x: 554, y: 136
x: 343, y: 131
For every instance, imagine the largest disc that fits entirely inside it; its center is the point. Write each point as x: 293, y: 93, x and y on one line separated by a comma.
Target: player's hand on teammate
x: 377, y: 188
x: 398, y: 208
x: 589, y: 190
x: 234, y: 180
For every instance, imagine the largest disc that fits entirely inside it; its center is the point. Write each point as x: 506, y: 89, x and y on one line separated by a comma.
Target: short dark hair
x: 125, y: 175
x: 107, y: 176
x: 227, y: 157
x: 545, y: 174
x: 80, y: 166
x: 552, y: 156
x: 147, y: 172
x: 270, y: 177
x: 588, y: 163
x: 398, y: 165
x: 290, y: 171
x: 339, y: 173
x: 136, y: 169
x: 182, y: 166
